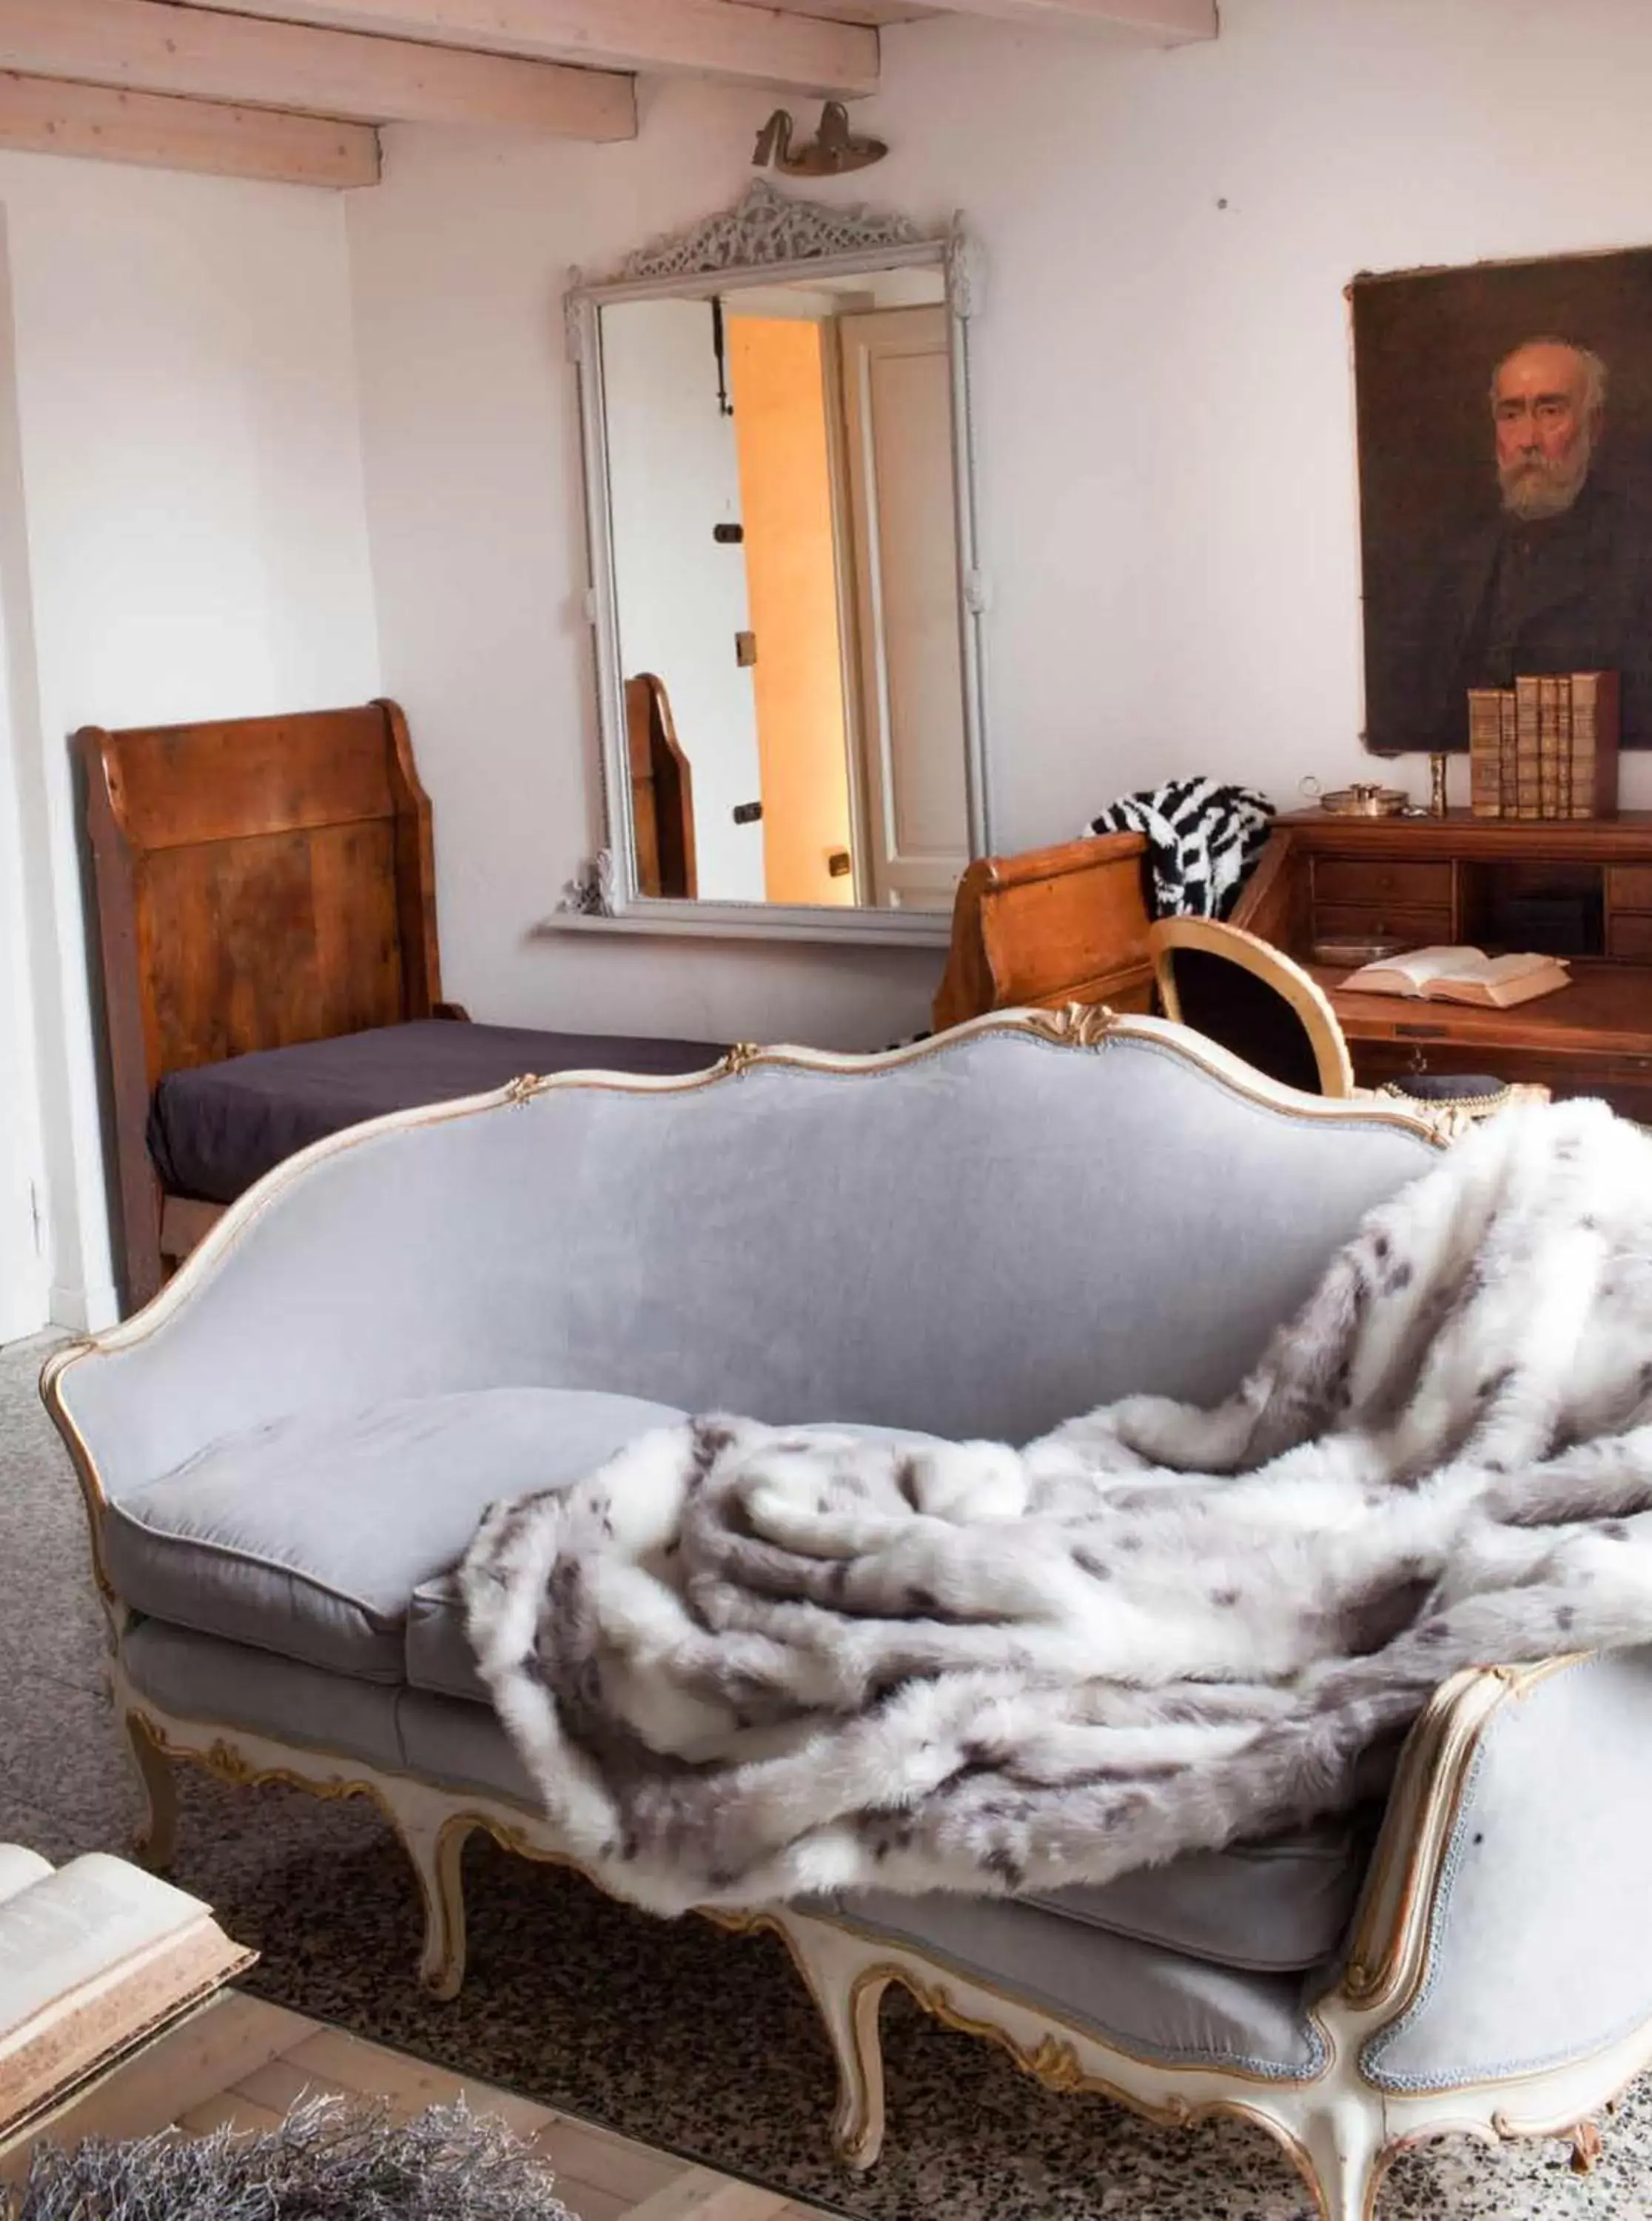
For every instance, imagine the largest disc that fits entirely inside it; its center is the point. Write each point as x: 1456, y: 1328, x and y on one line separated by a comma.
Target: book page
x: 1516, y: 967
x: 18, y: 1867
x: 1422, y: 964
x: 1441, y: 964
x: 67, y: 1929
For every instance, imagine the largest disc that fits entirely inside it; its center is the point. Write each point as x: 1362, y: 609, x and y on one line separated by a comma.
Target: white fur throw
x: 743, y: 1663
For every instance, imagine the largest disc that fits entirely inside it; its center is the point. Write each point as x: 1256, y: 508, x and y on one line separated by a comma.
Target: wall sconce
x: 834, y: 148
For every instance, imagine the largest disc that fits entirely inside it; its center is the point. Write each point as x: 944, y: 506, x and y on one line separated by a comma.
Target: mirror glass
x: 784, y: 548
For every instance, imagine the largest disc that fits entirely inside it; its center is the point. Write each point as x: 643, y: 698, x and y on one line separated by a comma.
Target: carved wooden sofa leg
x: 431, y: 1832
x: 847, y: 1989
x: 1342, y: 2156
x: 434, y: 1839
x: 155, y: 1843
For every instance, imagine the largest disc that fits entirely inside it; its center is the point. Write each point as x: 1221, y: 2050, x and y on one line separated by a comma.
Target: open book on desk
x: 1461, y: 975
x: 95, y: 1957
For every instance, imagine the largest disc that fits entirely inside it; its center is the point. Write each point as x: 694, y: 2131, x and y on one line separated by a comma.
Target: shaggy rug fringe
x: 330, y: 2160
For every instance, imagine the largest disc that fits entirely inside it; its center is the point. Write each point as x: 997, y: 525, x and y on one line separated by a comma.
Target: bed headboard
x: 259, y: 881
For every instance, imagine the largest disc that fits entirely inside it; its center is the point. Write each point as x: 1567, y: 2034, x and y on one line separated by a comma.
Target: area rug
x: 700, y: 2043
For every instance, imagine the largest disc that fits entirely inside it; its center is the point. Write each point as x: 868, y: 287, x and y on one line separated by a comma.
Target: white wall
x: 674, y: 471
x: 187, y: 481
x: 1164, y: 411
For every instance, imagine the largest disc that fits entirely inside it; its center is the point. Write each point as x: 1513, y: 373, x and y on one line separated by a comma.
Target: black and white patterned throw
x: 1204, y: 840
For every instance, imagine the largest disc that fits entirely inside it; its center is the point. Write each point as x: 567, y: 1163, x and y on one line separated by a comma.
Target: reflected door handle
x: 745, y: 649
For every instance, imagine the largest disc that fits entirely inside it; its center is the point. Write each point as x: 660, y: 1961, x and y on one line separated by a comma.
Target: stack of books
x: 1545, y: 747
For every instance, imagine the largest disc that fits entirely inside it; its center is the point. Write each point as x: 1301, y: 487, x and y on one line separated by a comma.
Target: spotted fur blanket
x: 744, y: 1662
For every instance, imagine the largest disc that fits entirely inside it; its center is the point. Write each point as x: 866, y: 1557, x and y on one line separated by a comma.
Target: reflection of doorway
x: 777, y: 376
x: 680, y: 595
x: 784, y: 549
x: 844, y: 429
x: 914, y: 804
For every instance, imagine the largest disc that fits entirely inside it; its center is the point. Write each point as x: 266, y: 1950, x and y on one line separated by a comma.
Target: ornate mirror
x: 784, y: 598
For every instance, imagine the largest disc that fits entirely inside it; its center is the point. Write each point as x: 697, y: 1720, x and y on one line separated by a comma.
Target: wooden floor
x: 244, y: 2063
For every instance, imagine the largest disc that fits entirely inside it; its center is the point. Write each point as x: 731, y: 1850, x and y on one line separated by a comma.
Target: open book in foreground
x: 95, y: 1957
x: 1462, y: 975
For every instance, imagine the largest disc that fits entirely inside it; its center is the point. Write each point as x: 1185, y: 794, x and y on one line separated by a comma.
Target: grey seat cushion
x: 309, y: 1536
x: 1270, y: 1908
x: 1161, y: 2005
x: 332, y: 1540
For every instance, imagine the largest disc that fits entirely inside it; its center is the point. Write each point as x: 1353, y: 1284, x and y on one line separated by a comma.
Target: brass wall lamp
x: 834, y: 148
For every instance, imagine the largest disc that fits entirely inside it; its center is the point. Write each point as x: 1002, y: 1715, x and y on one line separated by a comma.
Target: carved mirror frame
x: 775, y: 238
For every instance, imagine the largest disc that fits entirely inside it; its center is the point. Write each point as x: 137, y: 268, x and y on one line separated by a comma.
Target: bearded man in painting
x: 1559, y: 579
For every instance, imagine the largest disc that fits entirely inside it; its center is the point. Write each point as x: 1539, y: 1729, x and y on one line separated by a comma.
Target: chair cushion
x: 309, y: 1536
x: 1270, y: 1908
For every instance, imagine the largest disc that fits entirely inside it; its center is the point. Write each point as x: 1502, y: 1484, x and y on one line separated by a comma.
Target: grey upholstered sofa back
x: 981, y: 1239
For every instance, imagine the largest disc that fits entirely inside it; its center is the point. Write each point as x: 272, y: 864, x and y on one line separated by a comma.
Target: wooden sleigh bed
x: 266, y: 912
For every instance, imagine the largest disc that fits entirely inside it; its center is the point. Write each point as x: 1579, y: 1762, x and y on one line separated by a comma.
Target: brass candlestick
x: 1436, y: 801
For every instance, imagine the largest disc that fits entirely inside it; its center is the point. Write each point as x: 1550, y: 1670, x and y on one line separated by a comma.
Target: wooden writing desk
x: 1455, y: 880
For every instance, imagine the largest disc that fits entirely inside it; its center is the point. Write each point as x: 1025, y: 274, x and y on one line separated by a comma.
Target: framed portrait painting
x: 1504, y: 429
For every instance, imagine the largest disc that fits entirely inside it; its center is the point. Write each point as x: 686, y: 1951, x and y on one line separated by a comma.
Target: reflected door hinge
x: 745, y: 649
x: 39, y: 1223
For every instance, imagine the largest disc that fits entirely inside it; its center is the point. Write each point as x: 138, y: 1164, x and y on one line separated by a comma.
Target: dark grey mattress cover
x: 214, y: 1131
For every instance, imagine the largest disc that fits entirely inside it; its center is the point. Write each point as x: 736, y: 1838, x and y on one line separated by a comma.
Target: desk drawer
x: 1418, y: 928
x: 1624, y: 1081
x: 1349, y: 879
x: 1628, y: 935
x: 1629, y: 887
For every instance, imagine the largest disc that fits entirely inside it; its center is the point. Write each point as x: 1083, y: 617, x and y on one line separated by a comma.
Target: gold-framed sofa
x: 283, y: 1456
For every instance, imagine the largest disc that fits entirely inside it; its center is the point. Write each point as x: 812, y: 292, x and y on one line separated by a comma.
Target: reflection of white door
x: 674, y: 475
x: 898, y: 421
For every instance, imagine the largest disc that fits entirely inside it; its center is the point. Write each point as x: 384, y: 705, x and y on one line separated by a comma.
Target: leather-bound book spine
x: 1526, y: 730
x: 1548, y: 746
x: 1485, y: 751
x: 1563, y: 714
x: 1507, y: 783
x: 1595, y: 710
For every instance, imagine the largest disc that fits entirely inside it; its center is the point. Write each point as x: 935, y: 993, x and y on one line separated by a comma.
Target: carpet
x: 700, y: 2043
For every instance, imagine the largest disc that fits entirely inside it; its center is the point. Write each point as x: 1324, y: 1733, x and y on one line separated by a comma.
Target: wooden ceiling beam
x: 1143, y: 23
x: 42, y: 116
x: 750, y: 45
x: 151, y: 45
